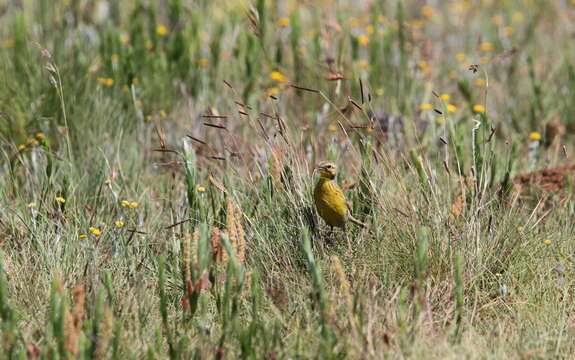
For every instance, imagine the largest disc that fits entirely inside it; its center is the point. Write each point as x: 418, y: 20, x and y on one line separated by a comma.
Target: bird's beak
x: 317, y: 167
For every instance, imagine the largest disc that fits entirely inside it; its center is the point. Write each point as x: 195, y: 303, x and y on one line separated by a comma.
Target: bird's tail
x: 356, y: 222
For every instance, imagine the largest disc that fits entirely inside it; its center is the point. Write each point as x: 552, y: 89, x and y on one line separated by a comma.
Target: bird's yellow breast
x: 330, y: 202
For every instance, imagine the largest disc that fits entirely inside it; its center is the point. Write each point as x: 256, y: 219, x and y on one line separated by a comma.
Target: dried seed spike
x: 217, y: 250
x: 231, y: 224
x: 195, y: 244
x: 186, y: 257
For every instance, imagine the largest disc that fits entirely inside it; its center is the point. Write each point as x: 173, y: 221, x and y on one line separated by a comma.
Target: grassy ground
x: 156, y: 174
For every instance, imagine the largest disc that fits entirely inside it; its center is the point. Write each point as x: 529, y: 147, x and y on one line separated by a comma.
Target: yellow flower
x: 133, y: 205
x: 518, y: 17
x: 32, y: 204
x: 363, y: 64
x: 451, y: 108
x: 497, y: 19
x: 124, y: 39
x: 107, y: 181
x: 484, y: 60
x: 381, y: 19
x: 486, y: 47
x: 353, y: 22
x: 479, y: 82
x: 138, y: 103
x: 162, y: 113
x: 162, y: 30
x: 101, y: 80
x: 149, y: 117
x: 440, y: 120
x: 115, y: 58
x: 125, y: 203
x: 201, y: 189
x: 460, y: 57
x: 277, y: 76
x: 427, y: 11
x: 33, y: 142
x: 379, y: 92
x: 332, y: 127
x: 271, y: 92
x: 444, y: 97
x: 535, y: 136
x: 478, y: 108
x: 8, y: 43
x: 83, y: 236
x: 425, y: 107
x: 547, y: 241
x: 520, y: 228
x: 203, y: 62
x: 283, y: 22
x: 21, y: 147
x: 109, y: 82
x: 95, y: 231
x: 119, y: 224
x: 370, y: 29
x: 40, y: 136
x: 363, y: 40
x: 509, y: 30
x: 60, y: 199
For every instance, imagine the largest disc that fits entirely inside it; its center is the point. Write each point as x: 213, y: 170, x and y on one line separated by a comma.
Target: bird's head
x: 327, y: 169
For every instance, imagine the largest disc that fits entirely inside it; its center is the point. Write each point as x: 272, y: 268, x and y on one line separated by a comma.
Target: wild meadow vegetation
x: 156, y: 177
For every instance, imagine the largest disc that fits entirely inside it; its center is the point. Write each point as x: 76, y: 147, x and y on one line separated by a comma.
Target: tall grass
x: 156, y: 179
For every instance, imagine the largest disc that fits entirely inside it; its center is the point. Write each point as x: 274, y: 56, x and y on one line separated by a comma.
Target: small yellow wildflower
x: 509, y: 30
x: 115, y: 58
x: 478, y: 108
x: 162, y: 113
x: 444, y: 97
x: 363, y: 40
x: 370, y: 29
x: 149, y: 117
x: 201, y: 189
x: 101, y: 80
x: 535, y: 136
x: 363, y: 64
x: 21, y: 147
x: 96, y: 231
x: 107, y: 181
x: 133, y: 205
x: 427, y: 11
x: 32, y: 204
x: 125, y: 203
x: 332, y: 127
x: 161, y: 30
x: 520, y: 228
x: 425, y: 107
x: 109, y: 82
x: 277, y: 76
x: 33, y: 142
x: 83, y: 236
x: 119, y: 224
x: 460, y: 57
x: 451, y: 108
x: 124, y: 39
x: 271, y: 92
x: 353, y: 22
x: 497, y: 19
x: 379, y: 92
x: 480, y: 82
x: 518, y: 17
x: 440, y: 120
x: 138, y: 103
x: 547, y: 241
x: 486, y: 47
x: 203, y: 62
x: 40, y: 136
x: 8, y: 43
x: 283, y: 22
x: 60, y: 199
x: 381, y: 19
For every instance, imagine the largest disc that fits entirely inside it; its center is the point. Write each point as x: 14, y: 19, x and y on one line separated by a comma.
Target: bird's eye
x: 328, y: 166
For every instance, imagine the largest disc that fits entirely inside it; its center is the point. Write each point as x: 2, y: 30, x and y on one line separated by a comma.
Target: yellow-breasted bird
x: 329, y: 198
